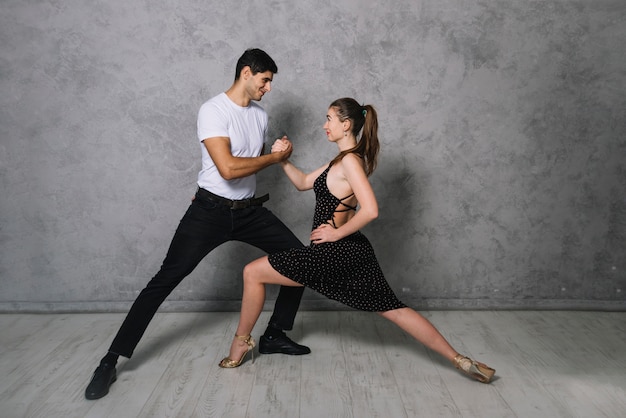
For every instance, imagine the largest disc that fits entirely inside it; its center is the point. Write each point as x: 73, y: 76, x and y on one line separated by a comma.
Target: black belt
x: 233, y: 204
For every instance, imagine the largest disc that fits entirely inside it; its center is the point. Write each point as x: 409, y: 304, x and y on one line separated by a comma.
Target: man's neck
x: 238, y: 96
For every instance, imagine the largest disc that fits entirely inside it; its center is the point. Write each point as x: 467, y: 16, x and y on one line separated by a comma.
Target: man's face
x: 259, y: 84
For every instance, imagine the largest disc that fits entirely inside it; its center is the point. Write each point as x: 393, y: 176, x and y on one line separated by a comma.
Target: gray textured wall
x: 502, y: 178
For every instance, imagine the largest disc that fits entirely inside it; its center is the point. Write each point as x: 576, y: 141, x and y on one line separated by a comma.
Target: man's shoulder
x: 215, y: 107
x: 215, y: 101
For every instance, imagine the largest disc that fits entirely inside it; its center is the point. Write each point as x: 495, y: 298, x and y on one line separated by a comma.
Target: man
x: 231, y: 129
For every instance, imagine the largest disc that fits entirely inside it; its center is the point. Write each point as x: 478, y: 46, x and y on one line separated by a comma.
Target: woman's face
x: 334, y: 127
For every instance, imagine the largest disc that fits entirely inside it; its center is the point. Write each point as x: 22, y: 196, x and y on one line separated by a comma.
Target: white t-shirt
x: 246, y: 128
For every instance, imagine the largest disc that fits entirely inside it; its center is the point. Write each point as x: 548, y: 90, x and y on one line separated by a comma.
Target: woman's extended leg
x: 255, y: 276
x: 423, y: 331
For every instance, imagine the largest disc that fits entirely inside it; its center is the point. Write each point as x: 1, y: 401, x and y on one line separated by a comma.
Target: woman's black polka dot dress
x: 345, y: 270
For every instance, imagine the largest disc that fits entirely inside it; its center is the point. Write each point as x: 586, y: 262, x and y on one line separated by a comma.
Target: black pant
x: 206, y: 225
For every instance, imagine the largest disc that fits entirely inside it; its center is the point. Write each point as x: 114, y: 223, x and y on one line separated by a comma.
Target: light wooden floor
x: 549, y: 364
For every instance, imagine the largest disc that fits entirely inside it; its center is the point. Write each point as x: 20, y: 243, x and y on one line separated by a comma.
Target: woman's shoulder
x: 351, y: 160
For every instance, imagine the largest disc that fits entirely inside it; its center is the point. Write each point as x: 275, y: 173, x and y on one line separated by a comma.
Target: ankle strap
x: 244, y: 338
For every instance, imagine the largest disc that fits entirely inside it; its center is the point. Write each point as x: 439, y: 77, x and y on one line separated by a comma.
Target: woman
x: 340, y: 262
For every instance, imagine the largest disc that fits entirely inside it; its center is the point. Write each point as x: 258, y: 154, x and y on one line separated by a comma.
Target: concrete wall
x: 502, y: 178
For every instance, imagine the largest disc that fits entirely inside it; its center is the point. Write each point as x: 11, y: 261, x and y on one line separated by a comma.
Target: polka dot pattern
x: 346, y: 270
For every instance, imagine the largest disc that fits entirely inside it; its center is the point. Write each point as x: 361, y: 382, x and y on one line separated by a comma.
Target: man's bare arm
x: 231, y: 167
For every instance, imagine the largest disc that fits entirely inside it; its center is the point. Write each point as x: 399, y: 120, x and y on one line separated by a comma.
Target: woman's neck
x: 346, y: 143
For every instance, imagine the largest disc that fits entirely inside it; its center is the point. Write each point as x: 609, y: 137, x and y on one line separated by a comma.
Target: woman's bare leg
x: 421, y: 329
x: 255, y: 276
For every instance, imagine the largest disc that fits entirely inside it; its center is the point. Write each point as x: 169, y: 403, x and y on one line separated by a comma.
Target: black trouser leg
x: 204, y: 227
x: 286, y: 307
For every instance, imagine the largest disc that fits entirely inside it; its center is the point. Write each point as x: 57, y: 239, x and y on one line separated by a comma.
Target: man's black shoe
x: 103, y: 377
x: 282, y: 344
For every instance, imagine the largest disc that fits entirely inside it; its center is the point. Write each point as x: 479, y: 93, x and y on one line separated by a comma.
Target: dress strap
x: 348, y: 207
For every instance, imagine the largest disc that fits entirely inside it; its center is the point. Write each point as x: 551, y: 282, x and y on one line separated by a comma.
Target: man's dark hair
x: 257, y: 60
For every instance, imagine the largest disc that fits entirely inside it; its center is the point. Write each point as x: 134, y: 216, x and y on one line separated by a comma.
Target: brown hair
x: 362, y: 118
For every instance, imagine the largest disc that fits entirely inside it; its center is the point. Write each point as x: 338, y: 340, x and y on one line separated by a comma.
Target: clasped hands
x: 283, y: 145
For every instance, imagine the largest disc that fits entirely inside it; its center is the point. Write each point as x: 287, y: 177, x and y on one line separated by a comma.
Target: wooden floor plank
x: 48, y: 365
x: 373, y: 388
x: 411, y: 362
x: 325, y: 381
x: 549, y: 364
x: 227, y: 392
x: 138, y: 377
x: 276, y: 389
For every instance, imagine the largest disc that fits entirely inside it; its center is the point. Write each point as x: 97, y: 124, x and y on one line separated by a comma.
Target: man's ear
x: 246, y: 72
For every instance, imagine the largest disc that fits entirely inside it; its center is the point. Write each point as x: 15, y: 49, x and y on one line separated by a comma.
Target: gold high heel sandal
x: 228, y: 363
x: 474, y: 369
